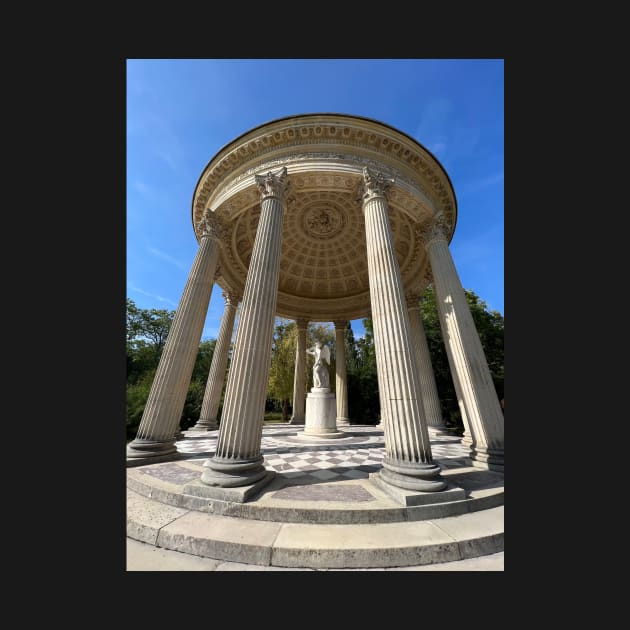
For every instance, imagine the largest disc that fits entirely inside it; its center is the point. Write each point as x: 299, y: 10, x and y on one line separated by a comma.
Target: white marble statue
x: 321, y: 378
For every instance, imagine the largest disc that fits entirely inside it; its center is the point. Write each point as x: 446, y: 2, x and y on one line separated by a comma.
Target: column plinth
x: 408, y: 462
x: 157, y: 431
x: 238, y: 461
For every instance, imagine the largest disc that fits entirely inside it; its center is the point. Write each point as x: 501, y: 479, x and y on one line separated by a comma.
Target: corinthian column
x: 216, y: 377
x: 341, y: 381
x: 238, y: 461
x: 162, y: 412
x: 299, y: 378
x: 408, y: 461
x: 471, y: 376
x: 428, y: 388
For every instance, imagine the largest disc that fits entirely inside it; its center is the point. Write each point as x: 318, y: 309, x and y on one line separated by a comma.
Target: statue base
x: 321, y: 415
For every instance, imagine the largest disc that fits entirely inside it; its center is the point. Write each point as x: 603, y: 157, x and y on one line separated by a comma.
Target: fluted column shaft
x: 238, y: 461
x: 341, y: 380
x: 408, y: 461
x: 428, y: 387
x: 216, y: 376
x: 163, y: 409
x: 471, y: 375
x: 299, y: 378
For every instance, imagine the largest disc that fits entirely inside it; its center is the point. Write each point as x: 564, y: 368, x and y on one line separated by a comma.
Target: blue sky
x: 181, y: 112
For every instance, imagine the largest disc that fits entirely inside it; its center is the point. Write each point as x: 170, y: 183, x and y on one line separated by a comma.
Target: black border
x: 83, y: 479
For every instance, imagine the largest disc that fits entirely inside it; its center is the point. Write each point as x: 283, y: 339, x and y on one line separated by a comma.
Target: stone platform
x: 322, y: 509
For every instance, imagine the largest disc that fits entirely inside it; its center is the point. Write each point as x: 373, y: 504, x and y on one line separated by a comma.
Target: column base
x: 344, y: 422
x: 228, y: 473
x: 490, y: 458
x: 317, y: 436
x: 240, y: 494
x: 418, y: 477
x: 295, y: 420
x: 150, y: 451
x: 410, y: 498
x: 205, y: 425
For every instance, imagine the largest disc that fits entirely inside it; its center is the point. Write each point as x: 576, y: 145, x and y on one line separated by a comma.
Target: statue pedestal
x: 321, y: 414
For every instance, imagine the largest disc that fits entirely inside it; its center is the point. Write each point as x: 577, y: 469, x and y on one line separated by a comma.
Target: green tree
x: 350, y: 346
x: 281, y: 372
x: 137, y: 394
x: 363, y: 395
x: 489, y: 325
x: 147, y: 331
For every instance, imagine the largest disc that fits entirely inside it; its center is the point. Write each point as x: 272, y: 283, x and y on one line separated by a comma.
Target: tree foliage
x: 281, y: 372
x: 147, y: 331
x: 489, y: 325
x: 363, y: 396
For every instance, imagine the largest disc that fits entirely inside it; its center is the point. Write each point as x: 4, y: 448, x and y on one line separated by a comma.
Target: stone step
x: 314, y: 545
x: 382, y: 509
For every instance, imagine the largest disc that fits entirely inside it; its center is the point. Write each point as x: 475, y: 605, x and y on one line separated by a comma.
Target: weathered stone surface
x: 411, y: 498
x: 482, y: 415
x: 214, y: 386
x: 428, y: 387
x: 144, y: 557
x: 321, y: 413
x: 341, y: 382
x: 237, y: 461
x: 237, y: 494
x: 299, y: 377
x: 145, y: 517
x: 408, y: 462
x: 338, y: 546
x: 221, y: 537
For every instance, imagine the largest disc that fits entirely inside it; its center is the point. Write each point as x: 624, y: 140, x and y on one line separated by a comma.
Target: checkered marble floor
x: 324, y: 462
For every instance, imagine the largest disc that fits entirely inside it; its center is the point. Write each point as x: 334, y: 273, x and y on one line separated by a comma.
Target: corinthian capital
x: 374, y: 184
x: 434, y: 230
x: 231, y: 297
x: 273, y: 184
x: 210, y: 225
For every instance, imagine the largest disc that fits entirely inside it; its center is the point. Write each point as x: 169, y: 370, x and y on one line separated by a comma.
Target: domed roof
x: 323, y: 266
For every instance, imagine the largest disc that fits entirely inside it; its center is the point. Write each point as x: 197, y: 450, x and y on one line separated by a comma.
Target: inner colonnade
x: 328, y: 218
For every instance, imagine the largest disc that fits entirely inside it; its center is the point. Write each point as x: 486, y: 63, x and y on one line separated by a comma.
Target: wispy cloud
x: 439, y: 133
x: 159, y: 134
x: 145, y: 190
x: 160, y: 254
x: 167, y: 144
x: 168, y: 158
x: 439, y: 148
x: 483, y: 182
x: 433, y: 119
x: 480, y: 250
x: 160, y: 298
